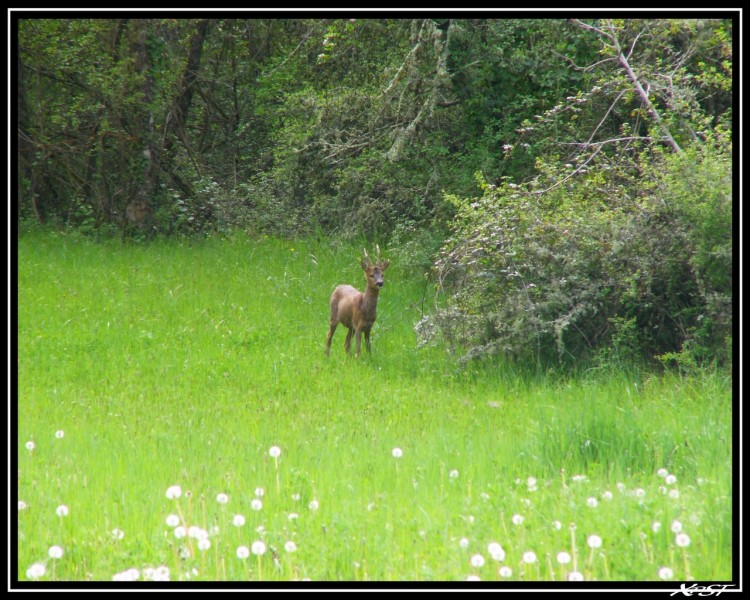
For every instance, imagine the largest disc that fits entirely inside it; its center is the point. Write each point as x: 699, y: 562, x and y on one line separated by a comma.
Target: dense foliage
x: 602, y: 223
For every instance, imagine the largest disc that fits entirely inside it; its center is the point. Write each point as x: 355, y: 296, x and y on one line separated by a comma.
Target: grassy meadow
x: 177, y: 419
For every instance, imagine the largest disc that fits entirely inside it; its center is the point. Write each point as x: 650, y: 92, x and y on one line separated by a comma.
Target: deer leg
x: 331, y: 331
x: 359, y: 340
x: 367, y: 339
x: 348, y: 341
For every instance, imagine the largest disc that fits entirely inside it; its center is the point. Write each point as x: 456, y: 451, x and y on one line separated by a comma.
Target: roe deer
x: 357, y: 310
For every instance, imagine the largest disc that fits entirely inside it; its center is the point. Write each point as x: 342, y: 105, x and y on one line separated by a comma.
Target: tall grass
x: 173, y: 363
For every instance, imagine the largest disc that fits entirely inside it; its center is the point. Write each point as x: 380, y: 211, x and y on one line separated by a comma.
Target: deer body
x: 357, y: 310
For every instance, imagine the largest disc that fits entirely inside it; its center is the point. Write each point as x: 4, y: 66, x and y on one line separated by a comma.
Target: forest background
x: 565, y: 185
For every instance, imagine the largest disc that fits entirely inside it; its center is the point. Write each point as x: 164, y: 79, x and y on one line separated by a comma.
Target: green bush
x: 614, y: 266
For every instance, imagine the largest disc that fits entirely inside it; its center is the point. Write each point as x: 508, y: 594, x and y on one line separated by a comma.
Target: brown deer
x: 357, y: 310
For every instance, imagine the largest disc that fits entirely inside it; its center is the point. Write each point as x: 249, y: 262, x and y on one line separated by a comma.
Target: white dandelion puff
x: 238, y: 520
x: 243, y: 552
x: 222, y: 498
x: 274, y: 451
x: 397, y: 453
x: 174, y: 492
x: 477, y: 561
x: 36, y: 571
x: 55, y: 552
x: 62, y: 511
x: 173, y: 520
x: 666, y: 573
x: 204, y: 544
x: 258, y: 548
x: 496, y: 551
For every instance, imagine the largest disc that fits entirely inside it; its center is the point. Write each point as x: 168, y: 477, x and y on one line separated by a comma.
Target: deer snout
x: 379, y: 283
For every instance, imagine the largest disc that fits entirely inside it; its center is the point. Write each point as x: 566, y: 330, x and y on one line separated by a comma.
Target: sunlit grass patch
x: 202, y: 366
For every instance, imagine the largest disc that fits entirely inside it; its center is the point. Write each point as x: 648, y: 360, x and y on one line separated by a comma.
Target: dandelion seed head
x: 30, y: 446
x: 22, y: 505
x: 662, y: 472
x: 204, y: 544
x: 666, y: 573
x: 55, y: 552
x: 129, y: 575
x: 670, y: 479
x: 473, y: 578
x: 463, y: 543
x: 256, y: 504
x: 258, y: 548
x: 243, y: 552
x: 174, y: 492
x: 592, y: 502
x: 563, y: 558
x: 557, y: 525
x: 293, y: 516
x: 505, y: 572
x: 656, y: 526
x: 453, y: 474
x: 290, y: 546
x: 575, y: 576
x: 238, y: 520
x: 674, y: 494
x: 173, y: 520
x: 59, y: 434
x: 260, y: 492
x: 594, y: 541
x: 62, y: 511
x: 274, y: 452
x: 36, y: 571
x: 477, y: 561
x: 529, y: 557
x: 117, y: 533
x: 222, y: 498
x: 676, y: 526
x: 180, y: 532
x: 682, y: 540
x: 397, y: 453
x: 496, y: 551
x: 314, y: 505
x: 607, y: 495
x: 517, y: 519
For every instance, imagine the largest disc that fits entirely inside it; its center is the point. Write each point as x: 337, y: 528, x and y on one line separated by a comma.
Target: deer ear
x: 384, y: 265
x: 365, y: 266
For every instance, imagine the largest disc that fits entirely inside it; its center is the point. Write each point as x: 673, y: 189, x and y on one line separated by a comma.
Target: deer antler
x: 367, y: 258
x: 377, y: 247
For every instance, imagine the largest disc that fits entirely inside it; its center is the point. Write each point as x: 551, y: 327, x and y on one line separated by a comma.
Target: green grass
x: 183, y: 363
